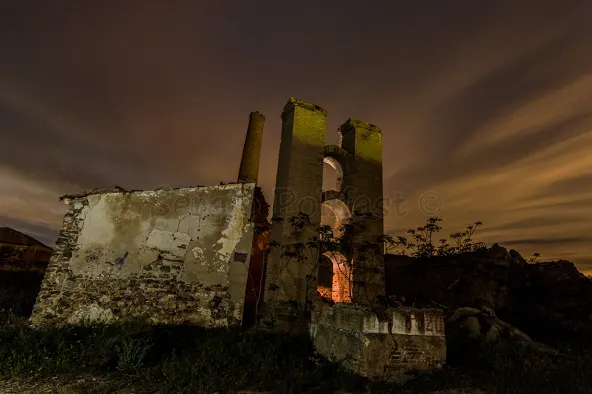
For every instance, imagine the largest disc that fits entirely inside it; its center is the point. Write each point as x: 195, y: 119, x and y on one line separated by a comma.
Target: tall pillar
x: 363, y: 189
x: 249, y: 165
x: 298, y: 189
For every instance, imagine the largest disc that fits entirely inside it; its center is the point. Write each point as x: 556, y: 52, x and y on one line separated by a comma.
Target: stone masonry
x: 404, y: 340
x: 359, y: 333
x: 171, y: 256
x: 299, y: 183
x: 298, y: 189
x: 363, y: 192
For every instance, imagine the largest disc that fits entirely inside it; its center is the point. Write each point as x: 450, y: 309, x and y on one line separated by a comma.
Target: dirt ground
x: 88, y: 384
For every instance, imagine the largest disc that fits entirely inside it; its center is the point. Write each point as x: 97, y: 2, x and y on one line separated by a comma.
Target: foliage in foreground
x: 189, y: 359
x: 174, y: 358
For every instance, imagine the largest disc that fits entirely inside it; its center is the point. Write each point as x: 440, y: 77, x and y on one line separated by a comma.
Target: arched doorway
x: 325, y: 278
x: 334, y: 276
x: 341, y: 286
x: 334, y: 281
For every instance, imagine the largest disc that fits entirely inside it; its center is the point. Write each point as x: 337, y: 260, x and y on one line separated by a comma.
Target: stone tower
x: 363, y: 192
x: 299, y: 188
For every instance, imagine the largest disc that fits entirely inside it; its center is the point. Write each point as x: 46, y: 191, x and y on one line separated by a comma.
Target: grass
x: 516, y: 368
x: 179, y: 359
x: 190, y: 359
x: 184, y: 359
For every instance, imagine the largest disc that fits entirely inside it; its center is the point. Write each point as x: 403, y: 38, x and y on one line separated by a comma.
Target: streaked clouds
x: 487, y: 104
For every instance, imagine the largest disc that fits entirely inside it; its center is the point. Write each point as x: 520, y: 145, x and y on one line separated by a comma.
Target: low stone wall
x: 402, y: 340
x: 171, y: 256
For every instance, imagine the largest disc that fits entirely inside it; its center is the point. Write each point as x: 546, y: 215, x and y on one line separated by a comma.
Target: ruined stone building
x: 198, y: 255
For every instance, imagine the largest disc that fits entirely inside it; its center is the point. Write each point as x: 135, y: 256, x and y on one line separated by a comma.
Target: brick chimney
x: 249, y: 166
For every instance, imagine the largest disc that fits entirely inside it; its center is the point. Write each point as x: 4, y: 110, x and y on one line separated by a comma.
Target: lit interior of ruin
x: 334, y: 274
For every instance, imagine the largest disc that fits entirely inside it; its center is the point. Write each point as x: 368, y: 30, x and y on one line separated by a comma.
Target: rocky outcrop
x: 467, y: 329
x: 552, y: 301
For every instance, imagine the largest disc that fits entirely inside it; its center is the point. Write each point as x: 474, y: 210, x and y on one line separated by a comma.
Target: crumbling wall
x: 401, y: 340
x: 172, y: 256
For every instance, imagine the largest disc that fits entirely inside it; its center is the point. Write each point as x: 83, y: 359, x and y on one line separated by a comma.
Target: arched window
x: 334, y: 212
x: 332, y: 174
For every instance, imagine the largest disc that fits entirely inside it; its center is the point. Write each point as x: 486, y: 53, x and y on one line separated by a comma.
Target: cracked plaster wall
x: 168, y: 255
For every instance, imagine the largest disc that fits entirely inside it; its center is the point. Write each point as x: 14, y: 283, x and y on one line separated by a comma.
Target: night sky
x: 486, y: 104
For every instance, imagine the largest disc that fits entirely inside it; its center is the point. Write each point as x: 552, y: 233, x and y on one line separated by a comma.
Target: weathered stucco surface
x: 172, y: 256
x: 404, y: 339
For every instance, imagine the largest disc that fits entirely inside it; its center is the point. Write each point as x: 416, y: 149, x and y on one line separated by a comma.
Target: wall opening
x: 325, y: 278
x: 334, y: 277
x: 334, y: 281
x: 334, y: 213
x: 332, y: 174
x: 341, y: 286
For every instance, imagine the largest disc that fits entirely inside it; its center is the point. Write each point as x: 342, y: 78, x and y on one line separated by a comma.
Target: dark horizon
x: 488, y: 107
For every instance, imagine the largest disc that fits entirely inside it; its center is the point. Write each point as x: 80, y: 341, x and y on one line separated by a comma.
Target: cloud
x: 545, y: 242
x: 487, y: 105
